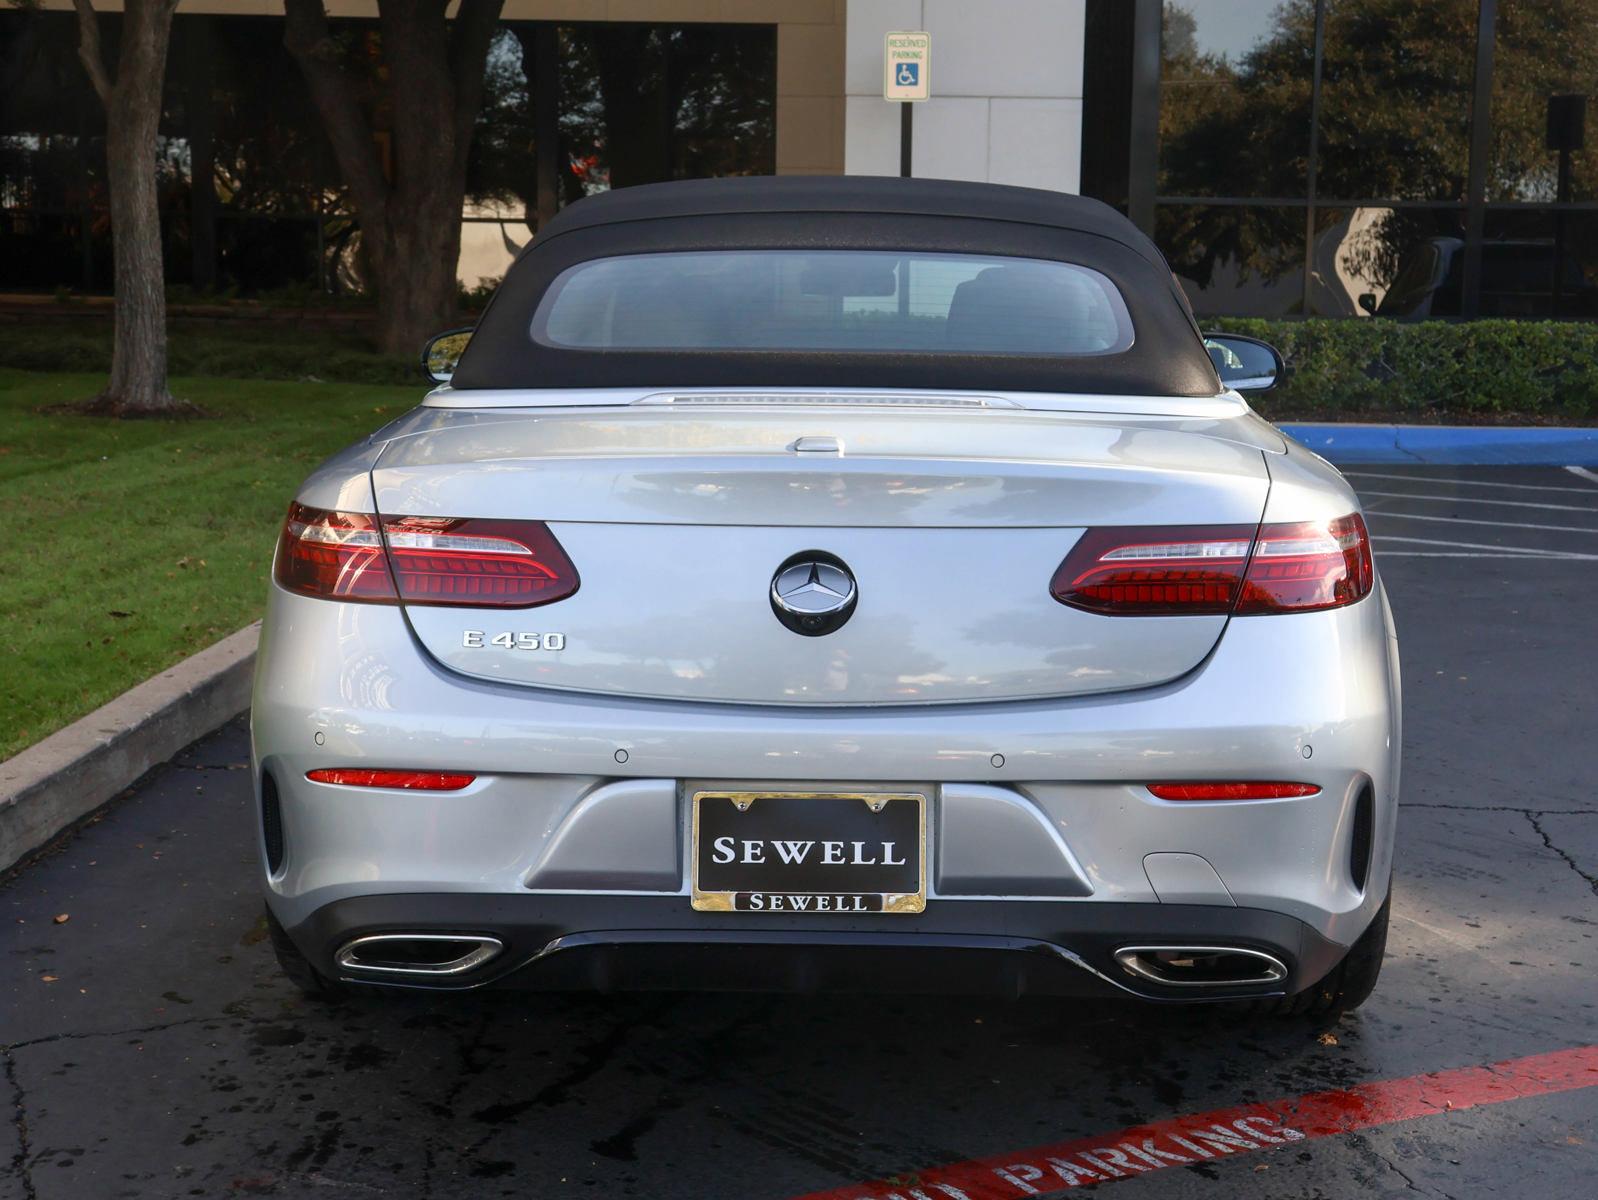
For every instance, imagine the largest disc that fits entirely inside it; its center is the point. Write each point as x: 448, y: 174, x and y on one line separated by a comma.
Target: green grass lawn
x: 129, y: 545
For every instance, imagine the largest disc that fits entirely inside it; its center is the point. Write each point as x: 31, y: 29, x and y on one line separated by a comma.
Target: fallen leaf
x: 62, y: 918
x: 48, y: 978
x: 1327, y: 1039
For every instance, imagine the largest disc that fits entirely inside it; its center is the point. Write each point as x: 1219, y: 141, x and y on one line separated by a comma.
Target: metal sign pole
x: 906, y: 121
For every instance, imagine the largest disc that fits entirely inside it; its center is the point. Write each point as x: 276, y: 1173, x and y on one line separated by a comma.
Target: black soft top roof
x: 844, y: 212
x: 854, y: 194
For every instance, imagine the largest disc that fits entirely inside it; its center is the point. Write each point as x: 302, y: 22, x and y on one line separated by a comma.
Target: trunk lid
x: 951, y: 522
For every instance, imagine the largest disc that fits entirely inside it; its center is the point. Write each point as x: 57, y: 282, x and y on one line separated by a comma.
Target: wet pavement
x: 150, y: 1048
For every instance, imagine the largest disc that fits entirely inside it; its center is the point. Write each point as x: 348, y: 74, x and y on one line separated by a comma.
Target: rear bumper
x: 956, y: 947
x: 1039, y: 825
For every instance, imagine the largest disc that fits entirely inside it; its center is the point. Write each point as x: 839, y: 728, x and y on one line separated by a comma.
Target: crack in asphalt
x: 1525, y: 812
x: 1364, y: 1143
x: 1548, y: 841
x: 19, y: 1121
x: 6, y: 1048
x: 20, y: 1161
x: 1534, y: 816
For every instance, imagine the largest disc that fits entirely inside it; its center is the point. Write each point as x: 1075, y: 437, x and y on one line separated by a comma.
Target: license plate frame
x: 827, y: 902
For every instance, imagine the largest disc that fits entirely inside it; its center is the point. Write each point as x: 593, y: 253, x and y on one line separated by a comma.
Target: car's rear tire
x: 296, y: 966
x: 1348, y: 984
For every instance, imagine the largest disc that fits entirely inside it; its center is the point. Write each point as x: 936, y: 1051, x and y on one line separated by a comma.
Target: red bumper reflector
x: 1231, y: 791
x: 420, y: 781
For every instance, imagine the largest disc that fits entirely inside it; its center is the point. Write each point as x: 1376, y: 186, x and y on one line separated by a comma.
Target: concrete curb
x: 64, y: 778
x: 1451, y: 445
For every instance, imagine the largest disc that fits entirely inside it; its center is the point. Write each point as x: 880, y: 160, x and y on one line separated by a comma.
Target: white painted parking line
x: 1586, y: 508
x: 1384, y: 513
x: 1493, y: 550
x: 1584, y: 473
x: 1525, y: 487
x: 1385, y: 554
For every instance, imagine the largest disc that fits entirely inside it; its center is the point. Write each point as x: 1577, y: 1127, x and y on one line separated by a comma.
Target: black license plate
x: 809, y: 852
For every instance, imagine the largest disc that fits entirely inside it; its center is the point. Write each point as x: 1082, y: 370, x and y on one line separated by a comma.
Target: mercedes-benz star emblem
x: 813, y: 593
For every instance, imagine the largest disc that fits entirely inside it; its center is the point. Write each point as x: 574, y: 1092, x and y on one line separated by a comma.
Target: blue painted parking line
x: 1454, y: 445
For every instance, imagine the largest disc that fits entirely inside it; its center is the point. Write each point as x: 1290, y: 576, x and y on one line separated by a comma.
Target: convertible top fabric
x: 1167, y: 356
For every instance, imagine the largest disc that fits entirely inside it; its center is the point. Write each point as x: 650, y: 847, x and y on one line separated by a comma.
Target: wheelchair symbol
x: 908, y: 74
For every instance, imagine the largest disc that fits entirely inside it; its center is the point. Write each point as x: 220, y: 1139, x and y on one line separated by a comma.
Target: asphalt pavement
x: 150, y: 1048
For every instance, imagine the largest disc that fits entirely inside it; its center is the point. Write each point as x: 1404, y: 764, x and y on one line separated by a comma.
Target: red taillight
x: 421, y: 781
x: 1193, y: 570
x: 478, y: 563
x: 1169, y: 569
x: 1308, y: 566
x: 333, y: 554
x: 430, y: 560
x: 1231, y: 791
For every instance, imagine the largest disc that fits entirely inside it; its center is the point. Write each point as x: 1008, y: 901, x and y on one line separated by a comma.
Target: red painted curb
x: 1182, y: 1141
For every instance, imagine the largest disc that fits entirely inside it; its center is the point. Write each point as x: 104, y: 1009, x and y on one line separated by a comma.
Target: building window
x: 250, y: 194
x: 1316, y: 157
x: 1235, y: 97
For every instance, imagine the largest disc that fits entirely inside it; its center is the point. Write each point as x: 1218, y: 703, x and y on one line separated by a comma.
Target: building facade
x: 1404, y: 158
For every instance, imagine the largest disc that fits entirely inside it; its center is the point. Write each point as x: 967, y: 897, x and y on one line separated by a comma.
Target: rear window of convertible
x: 831, y: 300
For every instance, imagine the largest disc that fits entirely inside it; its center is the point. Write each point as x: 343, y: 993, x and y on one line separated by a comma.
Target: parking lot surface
x: 151, y: 1049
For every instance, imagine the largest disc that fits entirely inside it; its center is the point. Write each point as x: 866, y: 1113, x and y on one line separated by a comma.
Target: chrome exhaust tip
x: 417, y: 955
x: 1201, y: 966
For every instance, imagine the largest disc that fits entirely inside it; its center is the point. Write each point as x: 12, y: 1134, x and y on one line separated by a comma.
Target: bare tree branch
x: 309, y: 40
x: 89, y: 50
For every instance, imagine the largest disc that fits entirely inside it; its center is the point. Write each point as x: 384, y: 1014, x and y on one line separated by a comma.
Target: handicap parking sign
x: 907, y: 66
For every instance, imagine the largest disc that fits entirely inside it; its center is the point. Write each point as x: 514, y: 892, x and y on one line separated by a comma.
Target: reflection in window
x: 1390, y: 262
x: 1235, y: 260
x: 1235, y: 97
x: 1396, y: 85
x: 1544, y: 48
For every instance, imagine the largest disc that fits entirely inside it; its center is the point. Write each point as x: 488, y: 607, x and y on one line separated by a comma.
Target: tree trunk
x: 132, y: 121
x: 414, y: 270
x: 410, y: 216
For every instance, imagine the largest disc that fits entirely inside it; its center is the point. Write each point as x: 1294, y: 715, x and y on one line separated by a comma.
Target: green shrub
x: 1431, y: 370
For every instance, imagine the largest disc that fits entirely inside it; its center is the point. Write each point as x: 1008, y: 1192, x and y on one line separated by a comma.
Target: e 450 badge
x: 478, y: 639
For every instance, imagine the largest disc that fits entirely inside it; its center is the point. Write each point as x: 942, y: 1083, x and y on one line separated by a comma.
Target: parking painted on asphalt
x: 150, y: 1049
x: 1195, y: 1139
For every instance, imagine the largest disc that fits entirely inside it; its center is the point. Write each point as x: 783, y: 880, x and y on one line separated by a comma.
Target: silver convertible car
x: 832, y: 584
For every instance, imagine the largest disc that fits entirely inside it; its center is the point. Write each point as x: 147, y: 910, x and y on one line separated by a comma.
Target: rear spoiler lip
x: 1220, y: 406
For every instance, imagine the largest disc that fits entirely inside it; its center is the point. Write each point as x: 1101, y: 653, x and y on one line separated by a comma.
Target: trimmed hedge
x: 1469, y: 371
